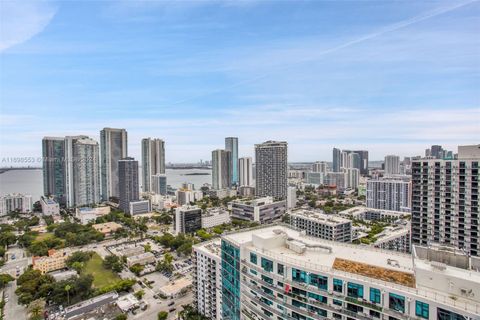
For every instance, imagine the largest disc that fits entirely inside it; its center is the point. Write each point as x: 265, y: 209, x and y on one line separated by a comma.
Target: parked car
x: 171, y: 310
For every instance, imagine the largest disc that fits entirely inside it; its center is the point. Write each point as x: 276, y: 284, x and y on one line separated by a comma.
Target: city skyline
x: 392, y: 78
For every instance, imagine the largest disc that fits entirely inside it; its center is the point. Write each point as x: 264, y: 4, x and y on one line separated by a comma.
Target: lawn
x: 43, y: 236
x: 101, y: 277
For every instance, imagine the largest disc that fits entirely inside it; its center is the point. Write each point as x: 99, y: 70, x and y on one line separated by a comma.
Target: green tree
x: 204, y: 235
x: 190, y: 313
x: 112, y: 262
x: 79, y: 257
x: 137, y: 269
x: 7, y: 238
x: 78, y: 266
x: 67, y: 289
x: 139, y: 294
x: 162, y: 315
x: 185, y: 249
x: 121, y: 316
x: 4, y: 279
x: 166, y: 264
x: 36, y: 308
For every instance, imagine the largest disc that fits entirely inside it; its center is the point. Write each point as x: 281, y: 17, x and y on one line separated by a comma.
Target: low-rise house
x: 133, y: 251
x: 263, y: 210
x: 215, y: 217
x: 54, y: 261
x: 49, y: 206
x: 107, y: 228
x: 142, y: 259
x: 86, y: 215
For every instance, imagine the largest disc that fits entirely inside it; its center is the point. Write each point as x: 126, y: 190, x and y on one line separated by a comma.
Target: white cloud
x: 22, y: 20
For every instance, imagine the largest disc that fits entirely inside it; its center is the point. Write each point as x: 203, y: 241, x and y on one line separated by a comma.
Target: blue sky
x: 386, y: 76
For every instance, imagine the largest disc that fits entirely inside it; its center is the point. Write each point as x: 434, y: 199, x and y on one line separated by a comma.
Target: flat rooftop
x: 320, y: 217
x: 213, y: 247
x: 322, y: 259
x: 48, y: 200
x: 362, y: 209
x: 215, y: 212
x: 176, y: 286
x: 256, y: 201
x: 391, y: 268
x: 391, y: 233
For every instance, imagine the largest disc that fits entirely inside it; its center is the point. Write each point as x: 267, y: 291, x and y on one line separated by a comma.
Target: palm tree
x: 36, y: 308
x: 68, y: 288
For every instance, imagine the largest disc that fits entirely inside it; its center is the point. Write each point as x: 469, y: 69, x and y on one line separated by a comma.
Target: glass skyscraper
x: 54, y: 168
x: 113, y: 143
x: 231, y: 144
x: 230, y: 281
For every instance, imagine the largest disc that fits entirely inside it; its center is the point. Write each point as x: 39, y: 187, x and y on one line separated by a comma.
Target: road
x: 155, y: 306
x: 13, y: 311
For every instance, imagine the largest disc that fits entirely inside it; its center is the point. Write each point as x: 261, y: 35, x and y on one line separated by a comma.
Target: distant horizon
x: 194, y: 163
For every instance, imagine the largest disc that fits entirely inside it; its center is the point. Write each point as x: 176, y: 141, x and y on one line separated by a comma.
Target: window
x: 253, y: 272
x: 337, y: 302
x: 354, y: 290
x: 267, y: 279
x: 317, y: 297
x: 337, y: 285
x: 299, y: 275
x: 421, y: 310
x: 267, y: 313
x: 298, y: 304
x: 375, y: 314
x: 253, y: 258
x: 280, y: 269
x: 267, y: 290
x: 375, y: 295
x: 267, y: 265
x: 354, y: 308
x: 299, y: 292
x: 443, y: 314
x: 266, y: 301
x: 396, y: 302
x: 321, y: 282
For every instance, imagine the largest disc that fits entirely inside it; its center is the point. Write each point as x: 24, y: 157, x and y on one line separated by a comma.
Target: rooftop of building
x: 392, y: 178
x: 215, y: 212
x: 394, y: 269
x: 48, y: 200
x: 325, y: 257
x: 211, y: 247
x: 362, y: 209
x: 175, y: 287
x: 188, y: 207
x: 15, y: 195
x: 141, y: 256
x: 392, y: 232
x: 256, y: 201
x: 271, y: 143
x: 320, y: 217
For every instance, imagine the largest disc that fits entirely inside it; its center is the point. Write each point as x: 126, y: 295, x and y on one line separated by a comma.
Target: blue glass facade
x: 422, y: 310
x: 230, y: 281
x: 375, y: 295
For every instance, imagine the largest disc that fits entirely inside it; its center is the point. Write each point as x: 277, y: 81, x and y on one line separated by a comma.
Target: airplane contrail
x: 390, y: 28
